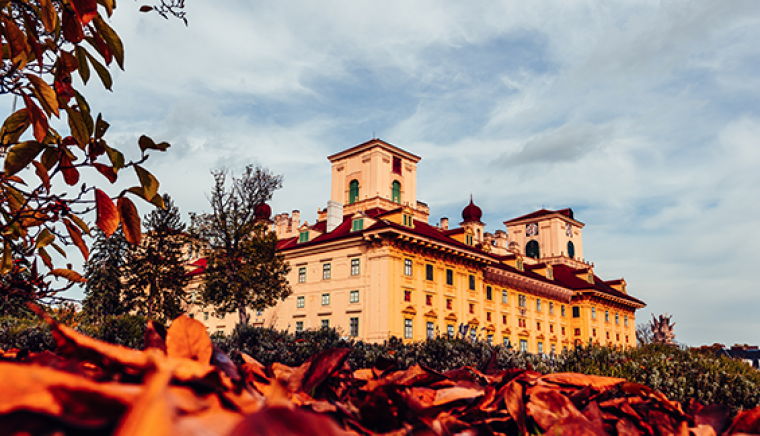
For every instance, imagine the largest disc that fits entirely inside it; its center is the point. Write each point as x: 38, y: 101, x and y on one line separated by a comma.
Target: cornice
x: 532, y: 285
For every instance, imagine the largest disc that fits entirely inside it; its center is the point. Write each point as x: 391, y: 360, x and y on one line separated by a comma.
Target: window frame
x: 302, y: 274
x: 326, y: 271
x: 472, y: 282
x: 353, y: 191
x: 299, y: 326
x: 408, y: 328
x: 353, y: 296
x: 504, y: 296
x: 449, y: 276
x: 326, y: 299
x: 430, y: 330
x: 408, y: 268
x: 354, y: 327
x: 396, y: 192
x: 300, y: 302
x: 429, y: 272
x: 355, y: 267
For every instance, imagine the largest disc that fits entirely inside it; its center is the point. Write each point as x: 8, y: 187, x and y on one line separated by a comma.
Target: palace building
x: 373, y: 266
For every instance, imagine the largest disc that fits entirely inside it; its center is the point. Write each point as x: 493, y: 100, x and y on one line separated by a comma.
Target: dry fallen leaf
x: 187, y: 339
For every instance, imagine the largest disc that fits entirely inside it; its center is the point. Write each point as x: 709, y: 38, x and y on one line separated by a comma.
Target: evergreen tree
x: 105, y: 274
x: 156, y: 268
x: 245, y: 269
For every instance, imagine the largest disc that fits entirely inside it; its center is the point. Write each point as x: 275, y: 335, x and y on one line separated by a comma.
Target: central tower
x: 376, y: 174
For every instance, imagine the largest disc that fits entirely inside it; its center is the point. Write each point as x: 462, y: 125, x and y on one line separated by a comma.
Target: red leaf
x: 76, y: 237
x: 72, y: 27
x: 70, y: 174
x: 106, y: 171
x: 513, y: 398
x: 107, y: 215
x: 323, y: 366
x: 146, y: 8
x: 130, y: 220
x: 86, y: 9
x: 746, y: 422
x: 282, y: 421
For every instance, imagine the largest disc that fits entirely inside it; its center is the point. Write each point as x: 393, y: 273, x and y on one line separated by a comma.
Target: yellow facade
x: 372, y: 266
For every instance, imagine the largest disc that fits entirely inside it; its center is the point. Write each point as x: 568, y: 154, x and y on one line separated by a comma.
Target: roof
x: 200, y: 266
x: 567, y: 213
x: 371, y: 144
x: 567, y: 277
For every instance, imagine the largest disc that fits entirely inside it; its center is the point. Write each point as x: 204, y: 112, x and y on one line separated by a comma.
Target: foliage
x: 183, y: 384
x: 25, y: 334
x: 104, y: 271
x: 155, y: 270
x: 126, y: 330
x: 244, y: 268
x: 43, y: 48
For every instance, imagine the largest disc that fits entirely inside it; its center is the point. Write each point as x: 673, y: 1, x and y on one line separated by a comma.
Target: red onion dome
x: 471, y: 212
x: 262, y: 211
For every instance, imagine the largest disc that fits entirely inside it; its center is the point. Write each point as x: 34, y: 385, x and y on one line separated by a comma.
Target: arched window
x: 353, y: 191
x: 531, y: 250
x: 570, y: 250
x: 396, y: 192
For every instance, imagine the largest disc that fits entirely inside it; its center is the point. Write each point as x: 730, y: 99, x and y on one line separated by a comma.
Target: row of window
x: 353, y: 326
x: 301, y: 300
x: 327, y: 270
x: 353, y: 190
x: 607, y: 316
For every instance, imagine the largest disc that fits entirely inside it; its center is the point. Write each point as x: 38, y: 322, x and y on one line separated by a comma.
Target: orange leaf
x: 582, y: 380
x: 42, y: 173
x: 107, y: 215
x: 68, y: 274
x: 187, y: 338
x: 76, y: 237
x: 513, y: 398
x: 38, y: 118
x: 48, y: 14
x: 130, y: 220
x: 45, y: 92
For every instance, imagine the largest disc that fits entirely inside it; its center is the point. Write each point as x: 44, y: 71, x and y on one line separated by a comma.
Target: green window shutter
x: 353, y: 191
x: 396, y: 192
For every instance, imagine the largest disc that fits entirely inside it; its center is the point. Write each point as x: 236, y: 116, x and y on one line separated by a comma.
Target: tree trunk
x: 242, y: 314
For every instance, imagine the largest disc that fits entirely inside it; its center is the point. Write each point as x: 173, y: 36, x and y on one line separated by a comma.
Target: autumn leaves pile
x: 182, y: 384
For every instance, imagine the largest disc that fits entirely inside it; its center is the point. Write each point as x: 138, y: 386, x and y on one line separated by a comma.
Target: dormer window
x: 303, y: 236
x: 468, y: 239
x: 549, y: 274
x: 590, y: 278
x: 407, y: 220
x: 519, y: 264
x: 396, y: 165
x: 358, y: 224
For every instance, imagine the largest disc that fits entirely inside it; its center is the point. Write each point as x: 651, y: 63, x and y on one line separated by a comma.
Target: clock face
x: 569, y: 230
x: 531, y: 229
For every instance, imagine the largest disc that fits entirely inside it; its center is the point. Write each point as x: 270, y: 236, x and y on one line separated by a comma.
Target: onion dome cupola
x: 262, y: 212
x: 471, y: 212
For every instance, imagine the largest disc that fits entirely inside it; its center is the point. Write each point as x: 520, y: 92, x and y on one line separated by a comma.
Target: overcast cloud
x: 641, y: 116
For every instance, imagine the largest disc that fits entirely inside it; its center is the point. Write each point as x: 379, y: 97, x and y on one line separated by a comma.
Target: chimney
x: 334, y: 215
x: 444, y: 223
x: 296, y: 219
x: 501, y: 239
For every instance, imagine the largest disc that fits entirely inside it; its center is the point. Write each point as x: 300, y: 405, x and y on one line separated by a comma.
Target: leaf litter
x: 181, y: 384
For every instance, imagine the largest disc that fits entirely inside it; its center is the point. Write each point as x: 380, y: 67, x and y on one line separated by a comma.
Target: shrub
x: 25, y: 334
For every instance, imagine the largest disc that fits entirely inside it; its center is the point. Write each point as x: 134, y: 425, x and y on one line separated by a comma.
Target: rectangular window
x: 538, y: 305
x: 593, y: 313
x: 617, y: 318
x: 473, y: 334
x: 625, y: 320
x: 524, y: 345
x: 506, y: 342
x: 429, y: 272
x: 538, y: 325
x: 408, y: 328
x: 489, y: 295
x: 551, y: 308
x: 325, y: 323
x: 577, y: 332
x: 472, y: 308
x: 358, y: 224
x: 205, y: 316
x: 504, y: 319
x: 450, y: 330
x: 576, y: 312
x: 354, y: 297
x: 488, y: 316
x: 408, y: 267
x: 303, y: 236
x: 489, y: 338
x: 301, y: 302
x: 448, y: 304
x: 563, y: 331
x: 608, y: 336
x: 407, y: 295
x: 396, y: 165
x: 551, y: 328
x: 430, y: 330
x: 593, y: 332
x: 355, y: 267
x: 540, y: 348
x: 521, y: 300
x: 429, y: 300
x: 607, y: 315
x: 450, y: 277
x: 554, y: 348
x: 354, y: 327
x: 299, y: 326
x: 302, y: 275
x: 562, y: 310
x: 472, y: 282
x: 325, y: 299
x: 259, y: 312
x: 326, y: 271
x: 504, y: 297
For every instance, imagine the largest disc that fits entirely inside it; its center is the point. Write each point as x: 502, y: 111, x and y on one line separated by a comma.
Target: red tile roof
x: 568, y: 212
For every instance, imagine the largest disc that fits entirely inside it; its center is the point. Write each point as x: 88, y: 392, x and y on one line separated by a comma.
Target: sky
x: 642, y: 116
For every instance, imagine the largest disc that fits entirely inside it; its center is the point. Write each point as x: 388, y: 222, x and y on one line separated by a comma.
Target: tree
x: 155, y: 270
x: 43, y: 47
x: 245, y: 269
x: 104, y: 271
